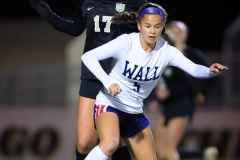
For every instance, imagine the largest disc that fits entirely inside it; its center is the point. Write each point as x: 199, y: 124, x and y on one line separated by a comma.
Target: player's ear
x: 138, y: 25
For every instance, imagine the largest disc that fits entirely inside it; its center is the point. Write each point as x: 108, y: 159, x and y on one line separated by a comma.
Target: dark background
x: 207, y: 20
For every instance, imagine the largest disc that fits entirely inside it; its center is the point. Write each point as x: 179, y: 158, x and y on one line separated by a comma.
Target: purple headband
x: 152, y: 10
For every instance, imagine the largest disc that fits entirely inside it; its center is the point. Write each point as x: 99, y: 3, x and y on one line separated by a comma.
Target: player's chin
x: 151, y: 41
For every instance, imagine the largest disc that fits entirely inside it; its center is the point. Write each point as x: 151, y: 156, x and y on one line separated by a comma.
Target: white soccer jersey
x: 136, y: 71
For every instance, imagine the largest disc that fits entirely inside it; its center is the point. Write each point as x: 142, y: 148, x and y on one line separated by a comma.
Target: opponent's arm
x: 74, y: 28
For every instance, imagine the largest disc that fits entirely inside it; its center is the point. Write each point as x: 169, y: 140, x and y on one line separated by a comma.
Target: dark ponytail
x: 125, y: 16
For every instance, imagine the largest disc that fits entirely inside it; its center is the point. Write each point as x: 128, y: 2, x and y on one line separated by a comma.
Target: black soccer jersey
x: 95, y: 16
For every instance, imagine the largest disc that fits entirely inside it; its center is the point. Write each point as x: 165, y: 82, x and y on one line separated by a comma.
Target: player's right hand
x: 41, y: 8
x: 114, y: 89
x: 216, y: 68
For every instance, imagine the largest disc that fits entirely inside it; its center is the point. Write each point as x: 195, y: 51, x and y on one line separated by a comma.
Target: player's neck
x: 145, y: 46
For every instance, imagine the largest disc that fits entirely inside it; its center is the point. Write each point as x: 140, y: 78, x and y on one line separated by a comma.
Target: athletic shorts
x: 130, y: 124
x: 90, y: 88
x: 178, y: 107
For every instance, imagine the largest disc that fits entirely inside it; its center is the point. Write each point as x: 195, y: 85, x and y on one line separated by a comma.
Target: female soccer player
x: 94, y: 16
x: 141, y: 59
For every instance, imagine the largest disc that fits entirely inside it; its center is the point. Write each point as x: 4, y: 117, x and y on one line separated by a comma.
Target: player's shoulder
x: 162, y: 45
x: 127, y: 40
x: 162, y: 41
x: 130, y: 36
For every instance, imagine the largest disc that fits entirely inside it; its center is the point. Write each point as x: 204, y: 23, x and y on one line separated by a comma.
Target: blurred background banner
x: 40, y: 76
x: 49, y: 133
x: 211, y: 127
x: 34, y: 133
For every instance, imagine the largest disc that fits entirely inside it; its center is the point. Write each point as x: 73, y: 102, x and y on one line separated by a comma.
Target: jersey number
x: 137, y: 86
x: 106, y: 19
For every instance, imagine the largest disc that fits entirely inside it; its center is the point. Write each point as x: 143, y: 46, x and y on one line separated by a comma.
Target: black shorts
x: 90, y: 88
x: 178, y: 107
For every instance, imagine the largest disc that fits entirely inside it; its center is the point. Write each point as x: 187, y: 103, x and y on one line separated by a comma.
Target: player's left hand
x: 216, y: 67
x: 114, y: 89
x: 42, y: 9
